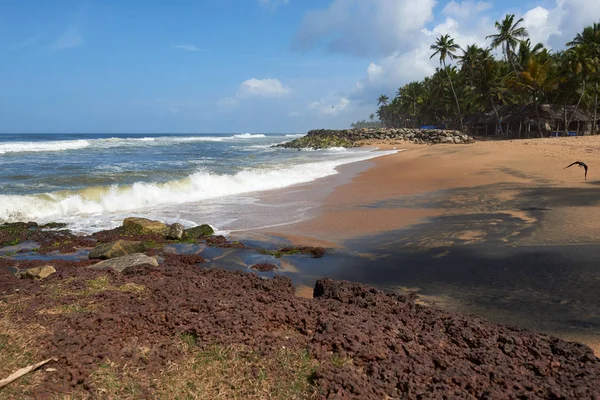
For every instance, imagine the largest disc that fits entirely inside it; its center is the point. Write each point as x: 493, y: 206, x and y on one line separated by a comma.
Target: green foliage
x: 527, y: 74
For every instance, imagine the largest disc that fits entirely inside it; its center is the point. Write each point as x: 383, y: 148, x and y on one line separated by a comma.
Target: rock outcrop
x: 115, y: 249
x: 323, y: 138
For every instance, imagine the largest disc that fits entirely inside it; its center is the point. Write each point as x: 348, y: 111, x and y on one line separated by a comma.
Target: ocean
x: 94, y: 181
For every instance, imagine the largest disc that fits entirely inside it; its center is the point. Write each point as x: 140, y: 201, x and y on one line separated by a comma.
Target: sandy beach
x: 493, y: 197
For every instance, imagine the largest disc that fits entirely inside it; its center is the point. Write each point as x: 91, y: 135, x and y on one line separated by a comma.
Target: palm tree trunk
x: 497, y: 115
x: 455, y: 98
x: 577, y: 105
x: 595, y: 110
x: 565, y: 118
x: 537, y: 113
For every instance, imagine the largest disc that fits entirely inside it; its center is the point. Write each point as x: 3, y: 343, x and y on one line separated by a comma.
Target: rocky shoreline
x: 324, y: 138
x: 124, y: 316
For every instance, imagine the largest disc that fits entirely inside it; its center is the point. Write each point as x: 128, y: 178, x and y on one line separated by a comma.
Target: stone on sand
x: 37, y: 272
x: 115, y: 249
x: 119, y: 264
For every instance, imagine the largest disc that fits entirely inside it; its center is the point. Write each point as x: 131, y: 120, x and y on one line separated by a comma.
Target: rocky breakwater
x: 324, y: 138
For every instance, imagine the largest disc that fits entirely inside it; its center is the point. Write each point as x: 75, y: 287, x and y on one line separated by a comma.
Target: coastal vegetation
x: 524, y: 77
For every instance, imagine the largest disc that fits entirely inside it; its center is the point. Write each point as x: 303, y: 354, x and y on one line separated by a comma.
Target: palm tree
x: 410, y: 96
x: 468, y: 61
x: 446, y: 48
x: 525, y: 52
x: 588, y: 44
x: 508, y: 36
x: 383, y: 100
x: 488, y: 84
x: 382, y: 113
x: 537, y: 81
x: 580, y: 65
x: 371, y: 117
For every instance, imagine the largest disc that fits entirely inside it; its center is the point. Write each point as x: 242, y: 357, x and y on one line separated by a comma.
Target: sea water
x: 93, y: 181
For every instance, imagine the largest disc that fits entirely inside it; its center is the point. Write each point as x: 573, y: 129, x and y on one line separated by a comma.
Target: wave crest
x: 199, y: 186
x: 37, y: 147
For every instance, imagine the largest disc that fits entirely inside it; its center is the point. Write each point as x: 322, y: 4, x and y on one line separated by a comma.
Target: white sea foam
x: 295, y: 135
x: 37, y: 147
x: 63, y: 145
x: 249, y: 136
x: 199, y: 186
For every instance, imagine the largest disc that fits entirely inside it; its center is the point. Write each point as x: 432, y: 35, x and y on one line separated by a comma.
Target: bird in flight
x: 581, y: 164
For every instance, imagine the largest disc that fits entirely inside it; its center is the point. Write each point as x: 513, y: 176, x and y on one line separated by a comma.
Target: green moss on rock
x: 199, y: 231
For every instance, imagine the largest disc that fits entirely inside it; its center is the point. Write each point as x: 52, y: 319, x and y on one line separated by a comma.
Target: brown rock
x: 116, y: 249
x: 143, y: 226
x: 121, y: 263
x: 37, y: 272
x: 176, y: 232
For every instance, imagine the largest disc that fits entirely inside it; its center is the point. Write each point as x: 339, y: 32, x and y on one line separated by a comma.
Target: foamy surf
x: 37, y: 147
x: 200, y: 186
x: 65, y: 145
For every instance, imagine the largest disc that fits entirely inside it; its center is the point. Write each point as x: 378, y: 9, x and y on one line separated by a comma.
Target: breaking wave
x: 37, y: 147
x: 199, y: 186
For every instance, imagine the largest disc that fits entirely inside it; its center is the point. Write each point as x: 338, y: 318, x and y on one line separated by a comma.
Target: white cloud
x: 69, y: 39
x: 273, y: 4
x: 262, y: 87
x: 364, y: 27
x: 256, y: 88
x: 188, y: 47
x: 324, y: 107
x: 295, y: 114
x: 559, y: 24
x: 399, y: 68
x: 466, y: 9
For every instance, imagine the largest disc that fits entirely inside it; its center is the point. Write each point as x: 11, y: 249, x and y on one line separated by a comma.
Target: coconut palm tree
x: 526, y: 51
x: 383, y: 100
x: 537, y: 81
x: 508, y: 36
x: 371, y: 117
x: 587, y: 44
x: 468, y: 61
x: 410, y: 96
x: 580, y: 66
x: 489, y: 84
x: 444, y: 47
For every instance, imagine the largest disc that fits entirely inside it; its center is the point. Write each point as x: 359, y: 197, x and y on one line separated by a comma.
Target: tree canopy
x: 471, y: 80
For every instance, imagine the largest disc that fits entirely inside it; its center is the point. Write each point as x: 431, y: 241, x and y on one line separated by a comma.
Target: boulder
x: 116, y: 249
x: 143, y: 226
x: 37, y: 272
x: 198, y: 231
x: 119, y: 264
x: 176, y: 232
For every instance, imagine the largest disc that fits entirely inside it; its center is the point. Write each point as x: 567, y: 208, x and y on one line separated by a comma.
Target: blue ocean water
x: 92, y: 181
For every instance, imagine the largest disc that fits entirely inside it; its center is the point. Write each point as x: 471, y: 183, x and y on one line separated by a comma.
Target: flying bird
x: 581, y: 164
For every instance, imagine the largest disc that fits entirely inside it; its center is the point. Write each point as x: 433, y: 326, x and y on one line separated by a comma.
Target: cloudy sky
x: 234, y: 65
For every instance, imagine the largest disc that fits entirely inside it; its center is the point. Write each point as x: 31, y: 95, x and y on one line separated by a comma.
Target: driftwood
x: 23, y: 371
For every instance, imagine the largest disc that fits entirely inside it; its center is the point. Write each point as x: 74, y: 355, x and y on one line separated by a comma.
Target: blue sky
x: 233, y: 65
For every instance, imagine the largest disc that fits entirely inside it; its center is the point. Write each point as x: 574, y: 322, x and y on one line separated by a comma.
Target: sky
x: 221, y: 66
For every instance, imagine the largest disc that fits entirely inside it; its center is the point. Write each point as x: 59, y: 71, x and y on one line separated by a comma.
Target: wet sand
x: 451, y: 222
